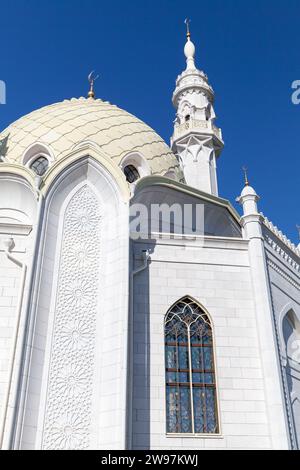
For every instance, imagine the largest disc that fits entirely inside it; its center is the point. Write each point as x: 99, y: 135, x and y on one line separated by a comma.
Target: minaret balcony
x: 198, y: 126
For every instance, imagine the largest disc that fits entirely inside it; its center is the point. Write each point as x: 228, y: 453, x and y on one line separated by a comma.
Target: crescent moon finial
x: 187, y: 23
x: 92, y: 78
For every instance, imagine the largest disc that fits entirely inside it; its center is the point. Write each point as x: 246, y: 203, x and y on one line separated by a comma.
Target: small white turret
x: 248, y: 199
x: 252, y: 223
x: 251, y: 219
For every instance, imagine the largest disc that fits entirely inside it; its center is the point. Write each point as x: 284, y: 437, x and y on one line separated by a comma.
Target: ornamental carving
x: 278, y: 233
x: 281, y: 245
x: 283, y: 273
x: 69, y: 395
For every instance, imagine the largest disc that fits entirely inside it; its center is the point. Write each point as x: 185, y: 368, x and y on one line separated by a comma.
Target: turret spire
x: 245, y: 170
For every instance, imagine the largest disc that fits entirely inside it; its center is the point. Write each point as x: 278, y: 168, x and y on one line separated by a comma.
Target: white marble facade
x: 83, y: 301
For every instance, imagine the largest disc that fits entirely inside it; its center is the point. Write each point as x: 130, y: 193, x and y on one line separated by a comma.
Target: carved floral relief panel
x: 71, y: 370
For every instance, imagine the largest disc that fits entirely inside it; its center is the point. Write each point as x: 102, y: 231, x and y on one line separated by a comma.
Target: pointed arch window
x: 191, y: 395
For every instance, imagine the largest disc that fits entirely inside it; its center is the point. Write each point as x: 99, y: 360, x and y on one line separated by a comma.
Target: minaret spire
x: 189, y: 48
x: 245, y: 170
x: 196, y: 140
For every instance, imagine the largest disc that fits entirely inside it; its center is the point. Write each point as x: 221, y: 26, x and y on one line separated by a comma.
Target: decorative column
x: 252, y: 230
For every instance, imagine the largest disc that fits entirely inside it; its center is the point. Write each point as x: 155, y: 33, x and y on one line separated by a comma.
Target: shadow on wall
x: 140, y: 340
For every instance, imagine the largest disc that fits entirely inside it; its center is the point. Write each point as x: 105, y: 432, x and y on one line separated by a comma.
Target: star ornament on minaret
x: 92, y: 78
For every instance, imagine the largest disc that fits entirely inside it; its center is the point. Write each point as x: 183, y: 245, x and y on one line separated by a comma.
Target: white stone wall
x: 17, y: 222
x: 284, y: 279
x: 9, y: 288
x: 216, y: 275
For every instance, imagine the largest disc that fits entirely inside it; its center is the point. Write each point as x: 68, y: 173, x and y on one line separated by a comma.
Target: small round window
x: 131, y: 173
x: 39, y: 165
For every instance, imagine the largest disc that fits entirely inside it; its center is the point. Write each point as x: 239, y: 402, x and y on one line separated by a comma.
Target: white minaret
x: 196, y: 141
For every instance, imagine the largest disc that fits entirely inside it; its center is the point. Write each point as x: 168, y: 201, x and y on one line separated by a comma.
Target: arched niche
x: 296, y: 414
x: 83, y: 222
x: 35, y: 150
x: 138, y: 161
x: 290, y: 336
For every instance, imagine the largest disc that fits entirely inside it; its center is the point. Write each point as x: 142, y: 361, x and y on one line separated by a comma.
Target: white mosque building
x: 117, y: 337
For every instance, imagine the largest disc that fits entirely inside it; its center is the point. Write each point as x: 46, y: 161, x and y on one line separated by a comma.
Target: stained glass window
x: 190, y: 373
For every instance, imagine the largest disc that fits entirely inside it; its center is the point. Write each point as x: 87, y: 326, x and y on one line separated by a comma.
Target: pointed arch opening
x: 75, y: 270
x: 191, y: 392
x: 291, y: 354
x: 38, y: 158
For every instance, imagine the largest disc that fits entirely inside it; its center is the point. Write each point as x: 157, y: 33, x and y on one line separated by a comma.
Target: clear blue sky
x: 249, y: 49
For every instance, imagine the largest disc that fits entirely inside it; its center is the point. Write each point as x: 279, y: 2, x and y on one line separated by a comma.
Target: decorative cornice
x: 192, y: 79
x: 283, y: 274
x: 15, y: 229
x: 278, y: 233
x: 281, y: 252
x: 17, y: 170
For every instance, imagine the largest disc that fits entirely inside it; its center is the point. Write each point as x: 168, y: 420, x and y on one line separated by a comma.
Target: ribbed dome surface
x: 63, y: 125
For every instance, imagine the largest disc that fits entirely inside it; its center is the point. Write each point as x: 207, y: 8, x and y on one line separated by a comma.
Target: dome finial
x: 245, y: 170
x: 92, y: 79
x: 187, y: 22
